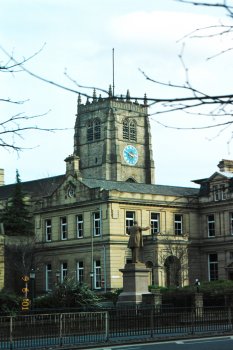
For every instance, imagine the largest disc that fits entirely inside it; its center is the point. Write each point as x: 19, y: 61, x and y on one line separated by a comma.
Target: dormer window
x: 216, y: 193
x: 223, y: 192
x: 219, y: 192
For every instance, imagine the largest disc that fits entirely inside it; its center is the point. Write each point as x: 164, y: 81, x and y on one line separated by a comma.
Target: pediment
x: 218, y: 177
x: 71, y: 190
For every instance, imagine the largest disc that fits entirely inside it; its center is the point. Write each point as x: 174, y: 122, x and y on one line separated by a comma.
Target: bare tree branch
x: 223, y: 5
x: 193, y: 102
x: 16, y: 125
x: 34, y: 75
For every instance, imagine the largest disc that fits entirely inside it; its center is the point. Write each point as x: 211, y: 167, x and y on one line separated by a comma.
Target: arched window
x: 129, y: 130
x: 125, y: 130
x: 93, y: 130
x: 90, y: 130
x: 132, y: 131
x: 97, y: 129
x: 130, y: 179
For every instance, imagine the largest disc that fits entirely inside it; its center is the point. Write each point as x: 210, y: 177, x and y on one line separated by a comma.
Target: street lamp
x: 32, y: 276
x: 197, y: 284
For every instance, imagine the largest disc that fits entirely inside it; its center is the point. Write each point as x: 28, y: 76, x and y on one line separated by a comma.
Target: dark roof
x: 141, y: 188
x: 224, y: 174
x: 45, y: 187
x: 37, y: 188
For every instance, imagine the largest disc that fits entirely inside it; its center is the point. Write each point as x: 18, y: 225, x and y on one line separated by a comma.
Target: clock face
x: 130, y: 154
x: 71, y: 191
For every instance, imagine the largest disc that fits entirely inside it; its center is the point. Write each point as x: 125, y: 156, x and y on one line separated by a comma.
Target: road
x: 216, y: 343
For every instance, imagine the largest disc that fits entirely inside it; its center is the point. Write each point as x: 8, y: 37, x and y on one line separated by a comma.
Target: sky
x: 78, y: 37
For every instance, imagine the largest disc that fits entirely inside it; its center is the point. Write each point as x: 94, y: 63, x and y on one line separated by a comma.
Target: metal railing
x: 58, y: 329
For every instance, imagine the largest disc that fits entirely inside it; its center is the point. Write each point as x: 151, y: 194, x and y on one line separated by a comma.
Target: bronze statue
x: 135, y: 240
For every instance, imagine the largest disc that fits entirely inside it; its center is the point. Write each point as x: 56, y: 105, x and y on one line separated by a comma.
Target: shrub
x: 68, y: 294
x: 217, y: 287
x: 9, y: 303
x: 113, y: 296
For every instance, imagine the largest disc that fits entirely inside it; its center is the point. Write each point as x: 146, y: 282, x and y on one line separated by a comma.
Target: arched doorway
x: 173, y: 271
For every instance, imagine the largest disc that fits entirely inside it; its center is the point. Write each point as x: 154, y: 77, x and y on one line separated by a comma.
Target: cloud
x: 144, y: 27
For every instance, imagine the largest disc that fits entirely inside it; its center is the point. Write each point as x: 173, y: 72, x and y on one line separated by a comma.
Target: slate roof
x: 226, y: 174
x: 37, y: 188
x: 45, y: 187
x: 141, y: 188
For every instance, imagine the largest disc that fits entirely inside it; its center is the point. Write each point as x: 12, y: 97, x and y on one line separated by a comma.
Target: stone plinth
x: 198, y: 301
x: 135, y: 284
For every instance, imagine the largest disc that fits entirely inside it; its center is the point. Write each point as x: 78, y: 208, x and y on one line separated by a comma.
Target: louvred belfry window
x: 129, y: 130
x: 93, y: 130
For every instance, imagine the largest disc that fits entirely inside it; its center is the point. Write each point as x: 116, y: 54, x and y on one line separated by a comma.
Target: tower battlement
x: 125, y: 103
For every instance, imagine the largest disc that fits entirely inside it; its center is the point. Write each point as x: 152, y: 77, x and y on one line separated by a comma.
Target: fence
x: 54, y: 330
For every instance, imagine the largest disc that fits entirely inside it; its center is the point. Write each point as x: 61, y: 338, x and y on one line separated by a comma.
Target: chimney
x: 226, y: 165
x: 1, y: 177
x: 72, y: 165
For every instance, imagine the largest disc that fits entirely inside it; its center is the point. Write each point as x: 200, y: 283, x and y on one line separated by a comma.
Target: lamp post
x: 32, y: 276
x: 197, y: 284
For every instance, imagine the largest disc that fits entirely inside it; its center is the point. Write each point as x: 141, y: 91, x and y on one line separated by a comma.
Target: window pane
x: 130, y: 217
x: 80, y: 271
x: 97, y: 274
x: 48, y: 230
x: 154, y: 222
x: 79, y: 226
x: 223, y: 192
x: 64, y: 271
x: 97, y: 224
x: 216, y: 193
x: 211, y: 225
x: 178, y: 224
x: 213, y: 267
x: 63, y: 223
x: 48, y: 277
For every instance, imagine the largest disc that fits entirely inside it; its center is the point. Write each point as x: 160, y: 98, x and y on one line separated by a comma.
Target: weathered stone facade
x: 81, y: 217
x: 100, y: 146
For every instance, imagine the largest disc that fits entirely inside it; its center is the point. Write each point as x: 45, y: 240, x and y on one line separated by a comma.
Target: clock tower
x: 113, y: 141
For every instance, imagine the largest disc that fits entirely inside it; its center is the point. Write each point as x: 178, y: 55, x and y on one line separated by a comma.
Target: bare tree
x: 194, y: 100
x: 14, y: 127
x: 186, y: 97
x: 173, y: 257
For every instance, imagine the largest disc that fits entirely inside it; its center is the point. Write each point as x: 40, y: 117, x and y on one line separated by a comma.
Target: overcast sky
x: 79, y: 37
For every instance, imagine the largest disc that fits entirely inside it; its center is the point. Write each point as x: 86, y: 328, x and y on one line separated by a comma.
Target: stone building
x: 81, y: 217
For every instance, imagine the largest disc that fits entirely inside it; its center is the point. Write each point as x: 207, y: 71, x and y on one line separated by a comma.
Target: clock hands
x: 130, y: 155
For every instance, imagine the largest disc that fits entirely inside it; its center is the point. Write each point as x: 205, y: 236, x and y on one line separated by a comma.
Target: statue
x: 135, y: 240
